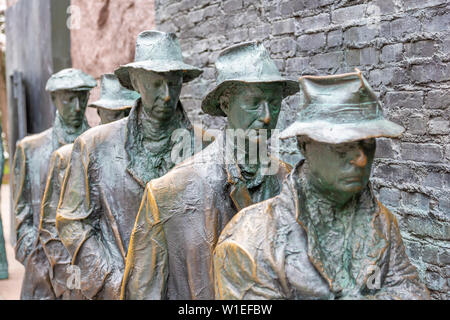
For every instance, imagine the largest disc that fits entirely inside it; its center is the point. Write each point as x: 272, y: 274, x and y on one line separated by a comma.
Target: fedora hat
x: 244, y: 63
x: 113, y: 96
x: 70, y: 79
x: 158, y: 52
x: 340, y: 108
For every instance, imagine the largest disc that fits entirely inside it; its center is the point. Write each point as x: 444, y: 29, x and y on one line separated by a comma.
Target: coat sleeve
x: 84, y: 233
x: 23, y: 211
x: 402, y: 281
x: 56, y: 253
x: 146, y: 269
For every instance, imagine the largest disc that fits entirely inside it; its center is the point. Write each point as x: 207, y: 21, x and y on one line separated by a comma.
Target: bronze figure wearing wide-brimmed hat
x: 183, y: 212
x: 115, y: 100
x: 69, y: 89
x: 111, y: 164
x: 158, y: 52
x: 325, y: 236
x: 341, y: 109
x: 244, y: 63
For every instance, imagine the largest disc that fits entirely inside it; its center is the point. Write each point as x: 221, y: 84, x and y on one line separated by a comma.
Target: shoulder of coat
x: 63, y: 152
x: 251, y: 222
x: 35, y: 140
x: 104, y: 132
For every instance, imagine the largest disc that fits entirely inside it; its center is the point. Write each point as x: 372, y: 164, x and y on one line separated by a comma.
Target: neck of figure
x: 248, y: 159
x: 154, y: 130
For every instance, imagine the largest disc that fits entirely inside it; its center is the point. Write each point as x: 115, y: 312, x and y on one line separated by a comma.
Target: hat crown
x: 247, y: 61
x: 157, y: 45
x: 111, y: 89
x: 339, y: 99
x: 70, y: 79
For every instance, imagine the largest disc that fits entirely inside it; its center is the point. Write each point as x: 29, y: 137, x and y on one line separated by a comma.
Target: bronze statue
x: 111, y: 164
x: 325, y: 236
x: 3, y: 260
x: 115, y: 103
x: 69, y: 90
x: 183, y: 212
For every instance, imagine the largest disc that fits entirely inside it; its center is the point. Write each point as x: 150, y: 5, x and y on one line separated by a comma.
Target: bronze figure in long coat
x: 115, y: 103
x: 70, y: 91
x: 325, y: 236
x: 183, y: 212
x: 111, y: 164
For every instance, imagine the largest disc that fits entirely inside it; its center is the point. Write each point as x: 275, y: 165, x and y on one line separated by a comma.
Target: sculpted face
x: 108, y: 116
x: 160, y: 92
x: 253, y: 106
x: 71, y: 105
x: 339, y: 170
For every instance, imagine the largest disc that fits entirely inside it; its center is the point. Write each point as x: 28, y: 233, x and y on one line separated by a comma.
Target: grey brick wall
x: 402, y: 47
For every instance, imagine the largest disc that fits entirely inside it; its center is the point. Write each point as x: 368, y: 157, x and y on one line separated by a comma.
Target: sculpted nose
x: 77, y: 105
x: 166, y: 92
x: 361, y: 160
x: 265, y: 116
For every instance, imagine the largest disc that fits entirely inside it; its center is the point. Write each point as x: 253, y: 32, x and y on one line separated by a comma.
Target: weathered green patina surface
x: 115, y: 103
x: 111, y: 164
x: 325, y: 236
x: 183, y: 212
x: 69, y: 89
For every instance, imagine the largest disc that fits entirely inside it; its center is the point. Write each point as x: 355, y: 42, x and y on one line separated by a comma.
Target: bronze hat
x: 340, y: 108
x: 244, y: 63
x: 159, y: 52
x: 113, y: 96
x: 70, y: 79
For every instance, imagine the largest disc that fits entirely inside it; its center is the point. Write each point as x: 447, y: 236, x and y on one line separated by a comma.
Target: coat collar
x: 239, y: 192
x: 143, y: 165
x: 367, y: 244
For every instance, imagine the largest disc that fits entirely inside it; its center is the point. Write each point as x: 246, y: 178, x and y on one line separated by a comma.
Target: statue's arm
x: 238, y: 276
x: 146, y: 269
x: 81, y: 230
x: 23, y: 211
x: 402, y: 280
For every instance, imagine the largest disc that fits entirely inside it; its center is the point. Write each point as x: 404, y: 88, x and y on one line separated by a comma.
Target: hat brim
x: 332, y: 133
x: 81, y: 88
x: 189, y: 72
x: 211, y: 105
x: 113, y: 104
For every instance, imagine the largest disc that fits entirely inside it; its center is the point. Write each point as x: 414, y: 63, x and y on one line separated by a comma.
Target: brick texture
x: 402, y: 47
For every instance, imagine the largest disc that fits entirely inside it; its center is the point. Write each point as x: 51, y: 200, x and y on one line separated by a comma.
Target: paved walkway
x: 9, y: 288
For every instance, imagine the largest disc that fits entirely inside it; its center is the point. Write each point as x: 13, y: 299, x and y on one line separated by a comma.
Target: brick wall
x: 402, y: 47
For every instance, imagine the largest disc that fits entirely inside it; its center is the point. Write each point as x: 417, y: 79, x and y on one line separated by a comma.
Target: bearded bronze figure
x: 325, y: 236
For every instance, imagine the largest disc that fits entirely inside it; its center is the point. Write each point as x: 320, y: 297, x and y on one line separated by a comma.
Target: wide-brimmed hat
x: 113, y: 96
x: 70, y: 79
x: 244, y: 63
x: 340, y: 108
x: 158, y: 52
